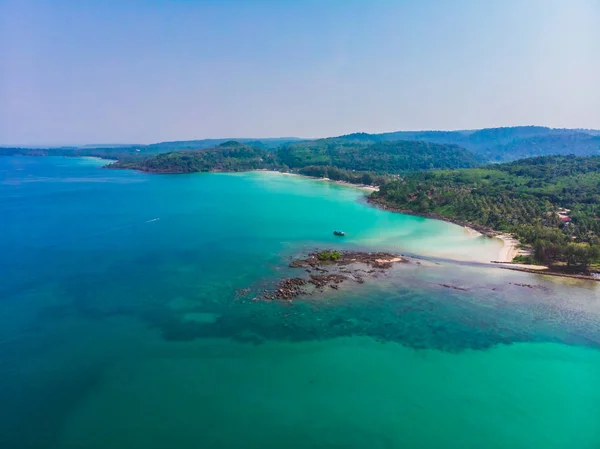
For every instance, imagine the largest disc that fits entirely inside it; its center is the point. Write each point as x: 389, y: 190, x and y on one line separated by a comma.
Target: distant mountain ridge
x: 489, y: 144
x: 503, y: 144
x: 266, y: 143
x: 116, y: 151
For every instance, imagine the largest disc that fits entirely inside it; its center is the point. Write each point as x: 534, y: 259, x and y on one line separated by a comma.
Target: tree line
x: 551, y: 203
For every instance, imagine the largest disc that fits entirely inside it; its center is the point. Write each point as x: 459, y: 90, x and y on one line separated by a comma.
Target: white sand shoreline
x: 510, y: 245
x: 347, y: 184
x: 342, y: 183
x: 509, y: 248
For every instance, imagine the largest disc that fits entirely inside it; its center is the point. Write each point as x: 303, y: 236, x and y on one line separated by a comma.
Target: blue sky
x: 144, y: 71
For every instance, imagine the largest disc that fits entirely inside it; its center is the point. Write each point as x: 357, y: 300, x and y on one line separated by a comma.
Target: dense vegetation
x: 380, y: 157
x: 113, y: 153
x: 503, y: 144
x: 362, y: 163
x: 523, y: 197
x: 229, y: 156
x: 328, y: 256
x: 490, y: 144
x: 337, y: 174
x: 179, y: 145
x: 576, y: 143
x: 133, y: 152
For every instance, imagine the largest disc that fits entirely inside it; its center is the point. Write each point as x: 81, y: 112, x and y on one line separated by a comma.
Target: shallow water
x: 120, y: 325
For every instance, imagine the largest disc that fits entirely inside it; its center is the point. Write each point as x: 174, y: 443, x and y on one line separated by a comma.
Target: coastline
x: 364, y: 187
x: 384, y: 205
x: 507, y: 252
x: 535, y: 269
x: 95, y: 159
x: 510, y: 244
x: 510, y: 248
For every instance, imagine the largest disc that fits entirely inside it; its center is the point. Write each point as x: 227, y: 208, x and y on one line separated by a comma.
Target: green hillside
x: 510, y: 143
x: 360, y: 153
x: 343, y: 158
x: 229, y: 156
x: 489, y: 144
x: 522, y: 197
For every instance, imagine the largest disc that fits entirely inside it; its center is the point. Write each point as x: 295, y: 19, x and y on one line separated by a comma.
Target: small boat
x: 341, y: 233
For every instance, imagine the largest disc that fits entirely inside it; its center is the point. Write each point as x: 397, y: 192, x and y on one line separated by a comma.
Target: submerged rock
x: 355, y: 266
x: 322, y: 280
x: 287, y: 289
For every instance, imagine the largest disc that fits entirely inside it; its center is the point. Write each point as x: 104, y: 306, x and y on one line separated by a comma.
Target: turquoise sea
x: 122, y: 324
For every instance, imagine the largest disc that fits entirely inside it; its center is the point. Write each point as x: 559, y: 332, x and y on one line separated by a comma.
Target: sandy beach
x: 472, y: 232
x: 349, y: 184
x: 342, y: 183
x: 507, y: 252
x: 509, y: 248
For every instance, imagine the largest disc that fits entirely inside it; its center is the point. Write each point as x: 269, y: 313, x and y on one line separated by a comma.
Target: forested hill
x: 362, y: 154
x: 490, y: 144
x: 129, y: 152
x: 270, y: 143
x: 523, y: 197
x: 114, y: 153
x: 503, y: 144
x: 379, y: 158
x: 228, y: 156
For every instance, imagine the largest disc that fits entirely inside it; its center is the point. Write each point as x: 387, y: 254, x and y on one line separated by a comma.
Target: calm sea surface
x: 122, y: 324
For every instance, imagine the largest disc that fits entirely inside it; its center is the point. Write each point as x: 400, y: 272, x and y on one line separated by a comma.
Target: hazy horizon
x: 76, y: 73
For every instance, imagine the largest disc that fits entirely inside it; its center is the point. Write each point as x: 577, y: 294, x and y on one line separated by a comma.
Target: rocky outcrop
x: 329, y: 269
